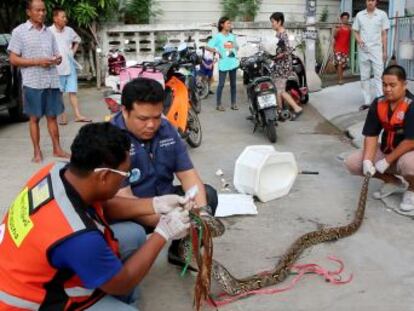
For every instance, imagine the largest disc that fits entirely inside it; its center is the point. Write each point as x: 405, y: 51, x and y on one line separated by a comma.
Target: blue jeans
x: 131, y: 237
x: 233, y: 89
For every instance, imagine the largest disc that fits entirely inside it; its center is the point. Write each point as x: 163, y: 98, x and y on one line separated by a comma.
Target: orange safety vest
x: 392, y: 125
x: 40, y: 217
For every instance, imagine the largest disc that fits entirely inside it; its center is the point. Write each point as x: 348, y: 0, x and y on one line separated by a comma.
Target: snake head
x: 215, y: 225
x: 227, y: 282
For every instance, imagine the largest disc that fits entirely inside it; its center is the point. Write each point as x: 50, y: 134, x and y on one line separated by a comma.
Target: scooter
x: 177, y: 103
x: 261, y: 92
x: 296, y: 84
x: 187, y: 60
x: 115, y: 62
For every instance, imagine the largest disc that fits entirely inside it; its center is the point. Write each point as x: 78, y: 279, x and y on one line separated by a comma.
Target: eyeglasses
x: 122, y: 173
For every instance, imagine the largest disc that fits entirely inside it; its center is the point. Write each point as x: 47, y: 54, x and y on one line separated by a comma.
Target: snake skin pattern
x: 233, y: 286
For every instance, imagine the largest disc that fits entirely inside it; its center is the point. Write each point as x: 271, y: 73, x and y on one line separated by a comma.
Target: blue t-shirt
x: 227, y: 47
x: 86, y: 254
x: 89, y: 257
x: 156, y: 160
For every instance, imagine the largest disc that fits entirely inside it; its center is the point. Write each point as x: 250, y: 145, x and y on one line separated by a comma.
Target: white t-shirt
x: 65, y: 40
x: 370, y: 27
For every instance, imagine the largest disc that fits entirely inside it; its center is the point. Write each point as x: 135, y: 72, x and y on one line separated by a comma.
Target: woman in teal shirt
x: 225, y: 45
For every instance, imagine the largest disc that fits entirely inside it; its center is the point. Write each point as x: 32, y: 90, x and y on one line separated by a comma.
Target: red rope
x: 333, y: 277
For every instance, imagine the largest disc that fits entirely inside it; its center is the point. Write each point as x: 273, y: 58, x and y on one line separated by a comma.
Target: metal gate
x: 403, y: 28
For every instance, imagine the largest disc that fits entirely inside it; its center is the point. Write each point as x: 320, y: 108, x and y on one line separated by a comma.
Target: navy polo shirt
x: 157, y: 160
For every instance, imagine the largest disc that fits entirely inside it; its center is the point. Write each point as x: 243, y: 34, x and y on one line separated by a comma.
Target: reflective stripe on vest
x: 63, y: 201
x: 18, y: 302
x: 391, y: 125
x: 78, y: 292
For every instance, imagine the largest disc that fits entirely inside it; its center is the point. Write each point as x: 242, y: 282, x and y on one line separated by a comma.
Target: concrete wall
x: 208, y: 11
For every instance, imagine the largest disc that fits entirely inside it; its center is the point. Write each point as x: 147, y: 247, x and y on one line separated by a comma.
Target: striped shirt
x: 29, y: 42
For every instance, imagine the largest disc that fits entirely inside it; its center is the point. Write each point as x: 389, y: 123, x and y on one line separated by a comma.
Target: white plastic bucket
x: 263, y: 172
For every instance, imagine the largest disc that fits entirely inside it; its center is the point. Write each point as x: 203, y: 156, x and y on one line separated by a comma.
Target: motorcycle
x: 296, y: 84
x: 115, y: 62
x: 261, y: 92
x: 187, y: 60
x: 177, y: 108
x: 177, y: 103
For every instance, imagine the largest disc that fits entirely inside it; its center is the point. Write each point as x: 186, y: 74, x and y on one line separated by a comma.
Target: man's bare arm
x: 135, y: 268
x: 370, y: 147
x: 128, y: 208
x: 19, y: 61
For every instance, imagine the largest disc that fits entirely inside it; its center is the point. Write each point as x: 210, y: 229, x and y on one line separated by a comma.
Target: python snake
x: 233, y: 286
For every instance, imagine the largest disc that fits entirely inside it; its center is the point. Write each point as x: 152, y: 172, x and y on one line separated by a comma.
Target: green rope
x: 190, y: 253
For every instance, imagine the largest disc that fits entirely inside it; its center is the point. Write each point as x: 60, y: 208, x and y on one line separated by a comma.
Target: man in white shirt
x: 370, y: 28
x: 68, y: 42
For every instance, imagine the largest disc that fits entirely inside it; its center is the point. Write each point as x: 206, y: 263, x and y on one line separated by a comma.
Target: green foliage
x: 245, y: 10
x: 324, y: 15
x: 140, y: 11
x: 81, y: 12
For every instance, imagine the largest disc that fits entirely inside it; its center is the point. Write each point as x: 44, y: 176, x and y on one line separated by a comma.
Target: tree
x: 85, y: 15
x: 245, y: 10
x: 139, y: 11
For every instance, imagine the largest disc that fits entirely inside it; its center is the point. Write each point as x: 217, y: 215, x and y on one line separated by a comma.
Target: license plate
x: 266, y: 101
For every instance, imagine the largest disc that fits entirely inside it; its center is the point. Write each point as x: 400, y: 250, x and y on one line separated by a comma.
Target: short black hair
x: 29, y: 4
x: 345, y: 14
x: 142, y: 90
x: 278, y: 17
x: 221, y: 22
x: 396, y: 70
x: 56, y: 10
x: 99, y: 145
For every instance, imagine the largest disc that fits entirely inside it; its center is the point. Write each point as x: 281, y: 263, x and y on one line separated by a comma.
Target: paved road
x: 379, y: 255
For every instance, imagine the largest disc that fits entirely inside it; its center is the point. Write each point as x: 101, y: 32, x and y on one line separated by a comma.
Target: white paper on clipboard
x: 235, y: 204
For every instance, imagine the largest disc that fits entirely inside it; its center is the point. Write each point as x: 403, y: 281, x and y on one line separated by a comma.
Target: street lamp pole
x: 314, y: 81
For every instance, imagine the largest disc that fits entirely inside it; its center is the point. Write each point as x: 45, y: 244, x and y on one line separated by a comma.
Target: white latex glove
x: 368, y: 167
x: 175, y: 225
x: 167, y: 203
x: 381, y: 166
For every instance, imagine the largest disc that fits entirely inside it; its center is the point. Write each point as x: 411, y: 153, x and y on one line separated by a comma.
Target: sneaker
x: 221, y: 108
x: 407, y: 203
x: 390, y: 188
x: 177, y: 254
x: 234, y: 107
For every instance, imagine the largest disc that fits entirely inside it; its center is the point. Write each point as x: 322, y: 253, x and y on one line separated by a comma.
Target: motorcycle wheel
x: 194, y: 97
x: 270, y: 131
x: 202, y: 88
x: 195, y: 134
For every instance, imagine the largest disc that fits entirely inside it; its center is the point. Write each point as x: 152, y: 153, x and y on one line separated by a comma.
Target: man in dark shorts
x: 33, y: 48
